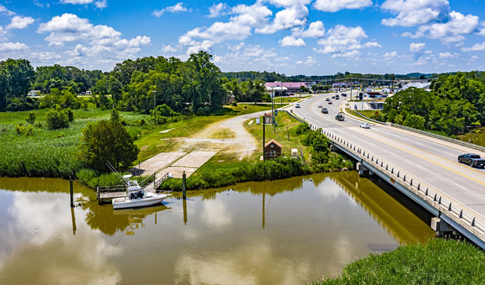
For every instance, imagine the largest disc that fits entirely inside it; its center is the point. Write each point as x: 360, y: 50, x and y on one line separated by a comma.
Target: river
x: 282, y: 232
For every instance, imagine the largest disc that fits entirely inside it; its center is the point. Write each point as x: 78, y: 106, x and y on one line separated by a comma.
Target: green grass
x: 290, y: 99
x: 476, y: 137
x: 46, y: 153
x: 437, y: 262
x: 284, y: 133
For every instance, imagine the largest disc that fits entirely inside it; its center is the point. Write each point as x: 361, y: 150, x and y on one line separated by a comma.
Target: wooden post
x: 155, y: 182
x: 72, y: 193
x: 184, y: 185
x: 185, y: 211
x: 264, y: 135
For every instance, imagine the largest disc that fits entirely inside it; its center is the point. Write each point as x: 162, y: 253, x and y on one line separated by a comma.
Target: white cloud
x: 315, y: 30
x: 445, y: 55
x: 342, y: 39
x: 290, y: 41
x: 168, y: 49
x: 337, y: 5
x: 239, y: 27
x: 476, y: 47
x: 452, y: 31
x: 413, y: 12
x: 217, y: 10
x: 294, y: 16
x: 205, y: 46
x: 179, y: 7
x: 351, y: 54
x: 416, y: 47
x: 77, y: 2
x: 100, y: 42
x: 250, y: 57
x: 288, y: 3
x: 4, y: 10
x: 19, y: 22
x: 13, y: 47
x: 45, y: 56
x: 101, y: 4
x: 390, y: 55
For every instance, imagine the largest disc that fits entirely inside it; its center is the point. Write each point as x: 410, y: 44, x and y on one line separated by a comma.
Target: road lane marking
x: 420, y: 156
x: 460, y: 186
x: 421, y: 167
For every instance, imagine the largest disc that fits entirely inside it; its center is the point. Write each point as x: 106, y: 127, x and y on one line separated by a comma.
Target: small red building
x: 272, y: 150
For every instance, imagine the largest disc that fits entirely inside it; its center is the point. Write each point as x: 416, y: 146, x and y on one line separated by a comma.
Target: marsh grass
x: 439, y: 261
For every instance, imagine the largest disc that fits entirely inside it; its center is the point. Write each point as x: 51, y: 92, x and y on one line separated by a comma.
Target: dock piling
x: 72, y: 192
x: 184, y: 185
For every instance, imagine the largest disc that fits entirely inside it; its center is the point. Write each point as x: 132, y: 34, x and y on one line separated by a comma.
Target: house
x: 89, y: 93
x: 34, y: 93
x: 268, y: 118
x: 272, y: 150
x: 284, y: 88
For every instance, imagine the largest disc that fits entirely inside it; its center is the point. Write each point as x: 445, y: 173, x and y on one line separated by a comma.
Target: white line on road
x: 460, y: 186
x: 447, y: 153
x: 421, y: 167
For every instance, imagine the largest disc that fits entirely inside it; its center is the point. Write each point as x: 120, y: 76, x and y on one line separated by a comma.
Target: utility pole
x: 264, y: 135
x: 155, y: 106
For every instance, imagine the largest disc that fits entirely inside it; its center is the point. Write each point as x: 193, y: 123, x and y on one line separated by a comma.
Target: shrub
x: 29, y: 130
x: 57, y: 120
x: 31, y: 117
x: 20, y: 129
x: 70, y: 114
x: 234, y: 104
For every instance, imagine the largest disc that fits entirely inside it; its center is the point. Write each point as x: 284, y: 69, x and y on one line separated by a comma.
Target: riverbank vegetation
x: 439, y: 261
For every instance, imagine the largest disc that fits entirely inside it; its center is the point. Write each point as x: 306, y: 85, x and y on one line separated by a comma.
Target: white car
x: 365, y: 125
x: 297, y: 105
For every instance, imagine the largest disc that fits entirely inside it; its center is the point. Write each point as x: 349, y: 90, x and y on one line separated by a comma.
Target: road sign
x: 276, y: 112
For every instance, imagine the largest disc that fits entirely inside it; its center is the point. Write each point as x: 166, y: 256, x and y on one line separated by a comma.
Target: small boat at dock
x: 136, y: 198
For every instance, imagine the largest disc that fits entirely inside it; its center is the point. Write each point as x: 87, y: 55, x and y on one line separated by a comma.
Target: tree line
x: 456, y: 103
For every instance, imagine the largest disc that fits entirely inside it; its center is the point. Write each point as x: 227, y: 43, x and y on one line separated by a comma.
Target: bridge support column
x: 442, y: 228
x: 363, y: 171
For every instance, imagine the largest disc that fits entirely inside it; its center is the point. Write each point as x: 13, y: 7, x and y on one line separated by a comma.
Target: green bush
x: 20, y: 129
x: 234, y: 103
x: 70, y: 114
x: 31, y: 117
x: 29, y: 130
x: 57, y: 120
x: 437, y: 262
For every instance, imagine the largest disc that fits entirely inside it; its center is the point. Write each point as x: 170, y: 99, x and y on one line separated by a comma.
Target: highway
x: 424, y: 158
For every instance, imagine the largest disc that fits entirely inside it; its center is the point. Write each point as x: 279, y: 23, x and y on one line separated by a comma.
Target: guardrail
x: 465, y: 217
x: 455, y: 141
x: 367, y: 118
x: 293, y: 115
x: 160, y: 181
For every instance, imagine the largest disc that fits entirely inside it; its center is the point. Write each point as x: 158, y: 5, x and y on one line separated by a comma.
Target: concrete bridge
x: 422, y: 167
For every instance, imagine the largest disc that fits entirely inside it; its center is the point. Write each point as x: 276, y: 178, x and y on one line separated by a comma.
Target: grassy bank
x: 47, y: 153
x: 52, y: 153
x: 226, y: 169
x: 437, y: 262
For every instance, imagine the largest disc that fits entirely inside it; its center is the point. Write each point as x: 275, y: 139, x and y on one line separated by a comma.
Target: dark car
x: 330, y: 102
x: 333, y: 97
x: 324, y: 111
x: 344, y: 95
x: 474, y: 160
x: 328, y: 99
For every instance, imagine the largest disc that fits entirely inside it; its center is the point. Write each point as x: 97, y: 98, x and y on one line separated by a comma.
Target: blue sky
x: 286, y: 36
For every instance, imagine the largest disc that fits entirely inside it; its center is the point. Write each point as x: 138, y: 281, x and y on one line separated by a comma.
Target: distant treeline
x: 338, y: 77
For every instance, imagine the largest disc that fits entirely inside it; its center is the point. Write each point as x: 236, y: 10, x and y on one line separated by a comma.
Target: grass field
x: 48, y: 153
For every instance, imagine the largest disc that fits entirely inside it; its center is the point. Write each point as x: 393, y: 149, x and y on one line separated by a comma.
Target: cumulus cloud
x: 413, y: 12
x: 452, y: 31
x: 416, y: 47
x: 250, y: 57
x: 101, y: 4
x: 101, y: 42
x: 337, y: 5
x: 19, y: 22
x: 179, y: 7
x: 445, y: 55
x: 168, y: 49
x: 315, y: 30
x: 290, y: 41
x: 13, y: 47
x: 390, y: 55
x: 294, y: 16
x: 239, y: 27
x: 476, y: 47
x: 344, y: 41
x: 203, y: 46
x: 217, y: 10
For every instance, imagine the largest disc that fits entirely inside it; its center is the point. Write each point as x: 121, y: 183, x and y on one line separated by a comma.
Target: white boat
x: 137, y: 198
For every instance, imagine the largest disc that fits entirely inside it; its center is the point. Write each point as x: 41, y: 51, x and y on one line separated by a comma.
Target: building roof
x: 272, y: 141
x: 286, y: 84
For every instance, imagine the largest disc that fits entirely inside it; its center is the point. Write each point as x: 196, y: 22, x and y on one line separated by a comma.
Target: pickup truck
x: 472, y: 159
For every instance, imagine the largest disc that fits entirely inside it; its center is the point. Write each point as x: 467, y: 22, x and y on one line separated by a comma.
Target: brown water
x: 282, y: 232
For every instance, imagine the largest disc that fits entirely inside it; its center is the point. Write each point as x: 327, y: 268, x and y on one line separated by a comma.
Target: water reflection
x: 287, y: 232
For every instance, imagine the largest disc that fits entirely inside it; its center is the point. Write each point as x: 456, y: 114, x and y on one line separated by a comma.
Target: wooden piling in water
x: 184, y: 185
x: 72, y: 192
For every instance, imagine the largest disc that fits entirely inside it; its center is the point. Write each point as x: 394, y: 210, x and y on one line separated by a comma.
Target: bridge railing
x: 467, y: 218
x: 455, y: 141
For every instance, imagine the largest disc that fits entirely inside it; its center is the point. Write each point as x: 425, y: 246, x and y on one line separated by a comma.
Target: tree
x: 31, y: 117
x: 57, y: 120
x: 16, y: 76
x: 107, y: 141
